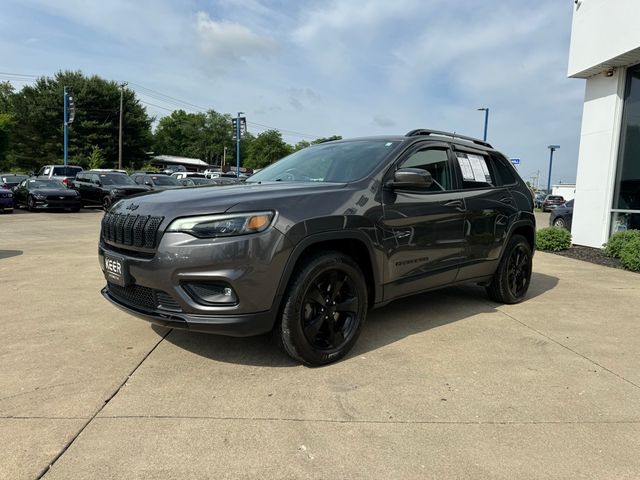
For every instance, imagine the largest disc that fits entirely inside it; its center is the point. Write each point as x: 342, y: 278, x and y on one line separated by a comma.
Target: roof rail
x: 422, y: 131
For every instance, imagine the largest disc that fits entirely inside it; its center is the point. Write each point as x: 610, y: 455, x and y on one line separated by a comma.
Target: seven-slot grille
x: 132, y: 230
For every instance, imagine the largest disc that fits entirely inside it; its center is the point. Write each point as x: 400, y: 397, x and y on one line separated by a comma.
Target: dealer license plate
x: 115, y: 270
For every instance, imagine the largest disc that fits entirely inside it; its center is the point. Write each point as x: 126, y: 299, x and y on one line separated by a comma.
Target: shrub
x: 553, y: 239
x: 630, y: 253
x: 615, y: 245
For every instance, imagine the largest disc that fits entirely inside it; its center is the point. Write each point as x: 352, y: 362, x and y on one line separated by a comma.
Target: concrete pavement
x: 442, y: 385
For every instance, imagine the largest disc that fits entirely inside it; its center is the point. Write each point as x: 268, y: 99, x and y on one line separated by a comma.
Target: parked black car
x: 11, y: 180
x: 105, y: 188
x: 562, y: 216
x: 308, y: 245
x: 552, y: 201
x: 156, y: 181
x: 42, y: 193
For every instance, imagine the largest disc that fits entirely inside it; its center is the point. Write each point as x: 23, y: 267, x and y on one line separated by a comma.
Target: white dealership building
x: 605, y: 50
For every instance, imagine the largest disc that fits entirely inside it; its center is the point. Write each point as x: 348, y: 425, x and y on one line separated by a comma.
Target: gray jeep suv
x: 306, y: 246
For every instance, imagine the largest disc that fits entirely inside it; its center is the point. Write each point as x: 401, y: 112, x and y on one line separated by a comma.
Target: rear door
x: 423, y: 230
x: 491, y: 209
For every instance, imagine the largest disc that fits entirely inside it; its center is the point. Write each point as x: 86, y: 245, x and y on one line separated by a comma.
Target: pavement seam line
x: 372, y: 422
x: 569, y: 348
x: 66, y: 447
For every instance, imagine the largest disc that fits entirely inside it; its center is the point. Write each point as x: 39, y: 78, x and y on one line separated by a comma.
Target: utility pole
x: 552, y: 148
x: 65, y: 114
x: 486, y: 120
x: 238, y: 144
x: 122, y: 85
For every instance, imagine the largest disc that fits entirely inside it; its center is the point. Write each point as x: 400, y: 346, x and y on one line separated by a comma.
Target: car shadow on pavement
x: 386, y: 325
x: 10, y: 253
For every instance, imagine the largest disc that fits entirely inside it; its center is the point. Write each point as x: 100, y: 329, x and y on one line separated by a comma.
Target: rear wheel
x: 324, y: 309
x: 559, y: 222
x: 513, y: 276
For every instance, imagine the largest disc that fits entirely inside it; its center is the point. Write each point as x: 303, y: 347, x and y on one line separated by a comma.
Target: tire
x: 31, y: 203
x: 513, y: 276
x: 559, y: 222
x: 106, y: 203
x: 330, y: 276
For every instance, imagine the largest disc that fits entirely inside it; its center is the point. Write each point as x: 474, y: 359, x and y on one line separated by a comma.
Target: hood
x: 202, y: 201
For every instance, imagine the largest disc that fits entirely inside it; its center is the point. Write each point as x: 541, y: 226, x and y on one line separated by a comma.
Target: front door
x: 423, y: 230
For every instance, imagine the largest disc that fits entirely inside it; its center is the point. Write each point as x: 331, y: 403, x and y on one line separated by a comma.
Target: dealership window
x: 626, y: 199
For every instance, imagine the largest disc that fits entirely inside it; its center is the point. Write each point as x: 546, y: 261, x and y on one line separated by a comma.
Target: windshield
x: 165, y: 180
x: 14, y: 178
x: 331, y: 162
x: 66, y: 171
x: 118, y: 179
x: 45, y: 184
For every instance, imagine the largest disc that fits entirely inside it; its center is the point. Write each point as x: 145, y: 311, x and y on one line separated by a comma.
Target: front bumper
x: 158, y: 281
x: 73, y: 203
x: 232, y: 325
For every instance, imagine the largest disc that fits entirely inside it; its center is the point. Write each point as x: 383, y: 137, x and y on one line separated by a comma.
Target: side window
x: 436, y: 162
x: 46, y: 171
x: 148, y: 180
x: 138, y: 179
x: 95, y: 180
x: 504, y: 173
x: 475, y: 171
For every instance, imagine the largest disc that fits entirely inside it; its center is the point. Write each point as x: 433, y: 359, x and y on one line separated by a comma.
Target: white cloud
x: 223, y: 41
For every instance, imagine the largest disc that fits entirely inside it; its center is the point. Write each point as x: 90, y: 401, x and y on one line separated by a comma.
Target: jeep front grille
x: 132, y: 230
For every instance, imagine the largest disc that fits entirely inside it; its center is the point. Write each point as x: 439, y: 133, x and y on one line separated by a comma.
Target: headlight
x: 115, y: 191
x: 40, y: 196
x: 208, y: 226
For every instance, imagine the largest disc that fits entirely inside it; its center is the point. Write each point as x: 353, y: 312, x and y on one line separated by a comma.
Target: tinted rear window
x: 554, y: 197
x: 66, y: 171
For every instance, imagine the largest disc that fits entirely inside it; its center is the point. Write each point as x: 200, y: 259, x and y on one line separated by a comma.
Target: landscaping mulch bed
x: 589, y: 254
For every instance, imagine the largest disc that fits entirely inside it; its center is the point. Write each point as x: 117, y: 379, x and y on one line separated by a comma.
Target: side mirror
x: 410, y: 178
x: 147, y: 183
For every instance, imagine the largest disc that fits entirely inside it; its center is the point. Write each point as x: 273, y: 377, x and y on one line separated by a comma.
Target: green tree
x: 6, y: 124
x: 301, y: 144
x: 267, y: 148
x: 37, y: 111
x: 327, y: 139
x: 195, y: 135
x: 96, y: 158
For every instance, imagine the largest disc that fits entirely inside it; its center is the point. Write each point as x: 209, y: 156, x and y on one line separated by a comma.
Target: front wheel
x: 106, y: 203
x: 513, y: 276
x: 324, y: 309
x: 31, y: 204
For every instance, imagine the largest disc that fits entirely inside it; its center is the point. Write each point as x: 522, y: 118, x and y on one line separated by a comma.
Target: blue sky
x: 326, y: 67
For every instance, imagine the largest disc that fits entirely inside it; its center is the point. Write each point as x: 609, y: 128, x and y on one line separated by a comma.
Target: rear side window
x: 66, y: 171
x: 475, y: 170
x: 504, y: 173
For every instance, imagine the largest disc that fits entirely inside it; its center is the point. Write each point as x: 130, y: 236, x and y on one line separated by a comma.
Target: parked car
x: 308, y: 245
x: 11, y: 180
x: 539, y: 199
x: 105, y: 188
x: 562, y: 216
x: 156, y: 181
x: 62, y: 173
x: 6, y: 200
x: 552, y: 201
x: 43, y: 193
x: 174, y: 168
x: 181, y: 175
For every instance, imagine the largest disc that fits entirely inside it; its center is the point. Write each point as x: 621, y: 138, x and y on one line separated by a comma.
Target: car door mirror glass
x: 411, y: 178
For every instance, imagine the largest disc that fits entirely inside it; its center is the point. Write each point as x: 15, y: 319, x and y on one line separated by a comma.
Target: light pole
x: 552, y: 148
x: 122, y: 85
x: 66, y: 124
x: 238, y: 144
x: 486, y: 120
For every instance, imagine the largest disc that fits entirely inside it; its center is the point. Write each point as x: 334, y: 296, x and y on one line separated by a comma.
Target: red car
x: 551, y: 202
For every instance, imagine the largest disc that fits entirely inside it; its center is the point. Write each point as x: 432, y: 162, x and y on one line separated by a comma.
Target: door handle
x: 455, y: 204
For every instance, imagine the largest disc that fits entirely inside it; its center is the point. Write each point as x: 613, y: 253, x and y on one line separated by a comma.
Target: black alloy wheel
x: 324, y: 309
x: 106, y: 203
x: 31, y: 203
x: 511, y: 280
